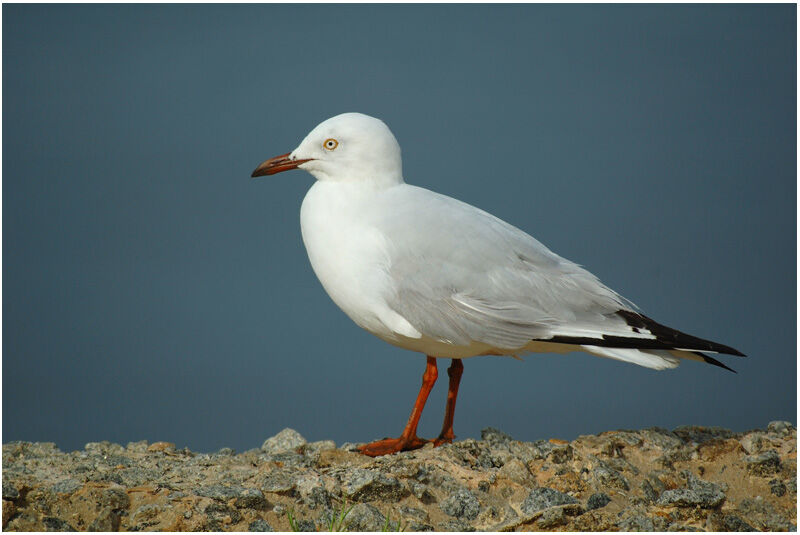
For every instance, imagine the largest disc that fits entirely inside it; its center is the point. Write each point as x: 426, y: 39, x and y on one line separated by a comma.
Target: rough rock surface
x: 688, y: 479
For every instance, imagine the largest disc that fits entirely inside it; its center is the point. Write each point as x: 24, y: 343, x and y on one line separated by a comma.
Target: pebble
x: 462, y: 504
x: 697, y: 493
x: 544, y: 497
x: 366, y: 485
x: 598, y: 500
x: 259, y: 525
x: 364, y: 517
x: 286, y: 440
x: 763, y: 464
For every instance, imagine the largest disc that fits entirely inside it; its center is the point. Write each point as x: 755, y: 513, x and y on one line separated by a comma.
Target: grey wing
x: 470, y: 277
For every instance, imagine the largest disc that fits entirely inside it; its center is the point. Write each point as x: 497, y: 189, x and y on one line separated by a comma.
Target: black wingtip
x: 673, y: 338
x: 712, y: 360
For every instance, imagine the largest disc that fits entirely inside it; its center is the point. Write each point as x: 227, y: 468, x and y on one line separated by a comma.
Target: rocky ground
x: 687, y: 479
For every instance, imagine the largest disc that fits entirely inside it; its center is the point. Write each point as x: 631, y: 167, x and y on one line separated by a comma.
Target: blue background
x: 152, y: 290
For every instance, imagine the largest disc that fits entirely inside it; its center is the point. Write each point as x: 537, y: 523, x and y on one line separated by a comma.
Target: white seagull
x: 432, y: 274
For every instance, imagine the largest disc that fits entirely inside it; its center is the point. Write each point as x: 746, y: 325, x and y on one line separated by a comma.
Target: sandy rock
x: 689, y: 479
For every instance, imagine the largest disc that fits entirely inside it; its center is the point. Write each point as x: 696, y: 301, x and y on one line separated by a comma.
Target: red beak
x: 277, y: 164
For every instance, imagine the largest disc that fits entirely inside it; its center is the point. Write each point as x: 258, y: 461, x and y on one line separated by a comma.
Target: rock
x: 222, y: 514
x: 279, y: 482
x: 598, y: 500
x: 543, y: 497
x: 780, y: 428
x: 552, y: 518
x: 10, y: 492
x: 161, y: 446
x: 495, y: 437
x: 52, y: 523
x: 763, y: 464
x: 365, y: 485
x: 698, y: 493
x: 219, y: 492
x: 107, y: 520
x: 114, y: 497
x: 734, y: 523
x: 754, y: 442
x: 8, y: 511
x: 286, y: 440
x: 251, y: 499
x: 637, y: 523
x: 516, y: 471
x: 698, y: 434
x: 461, y: 504
x: 777, y: 487
x: 608, y: 477
x: 146, y: 513
x: 259, y: 525
x: 66, y: 486
x: 364, y: 517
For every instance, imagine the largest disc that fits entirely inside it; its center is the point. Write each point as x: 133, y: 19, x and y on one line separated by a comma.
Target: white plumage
x: 432, y: 274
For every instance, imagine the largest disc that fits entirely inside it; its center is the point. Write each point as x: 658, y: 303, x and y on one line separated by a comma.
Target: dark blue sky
x: 152, y: 290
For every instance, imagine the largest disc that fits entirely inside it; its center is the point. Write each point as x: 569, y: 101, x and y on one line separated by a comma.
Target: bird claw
x: 392, y: 445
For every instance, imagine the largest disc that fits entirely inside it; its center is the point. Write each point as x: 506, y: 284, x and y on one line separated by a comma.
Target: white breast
x: 349, y: 255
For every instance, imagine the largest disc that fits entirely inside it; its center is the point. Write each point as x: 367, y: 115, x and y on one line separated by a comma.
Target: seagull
x: 431, y: 274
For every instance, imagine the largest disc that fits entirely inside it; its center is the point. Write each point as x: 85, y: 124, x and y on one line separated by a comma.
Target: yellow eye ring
x: 330, y: 144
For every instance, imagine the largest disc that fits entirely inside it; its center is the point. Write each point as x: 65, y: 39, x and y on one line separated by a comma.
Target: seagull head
x: 347, y: 147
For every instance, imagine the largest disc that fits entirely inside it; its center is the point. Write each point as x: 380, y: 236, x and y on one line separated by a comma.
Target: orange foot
x: 442, y: 440
x: 392, y: 445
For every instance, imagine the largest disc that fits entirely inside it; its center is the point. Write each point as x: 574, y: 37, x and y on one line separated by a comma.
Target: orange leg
x: 409, y: 439
x: 454, y: 372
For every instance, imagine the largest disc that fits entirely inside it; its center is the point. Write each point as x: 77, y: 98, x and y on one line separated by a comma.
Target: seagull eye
x: 330, y: 144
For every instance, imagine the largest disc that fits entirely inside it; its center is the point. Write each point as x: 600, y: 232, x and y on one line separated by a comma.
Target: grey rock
x: 552, y: 518
x: 10, y: 491
x: 516, y: 471
x: 259, y: 525
x: 780, y: 428
x: 279, y: 482
x: 52, y: 523
x: 650, y: 493
x: 699, y: 434
x: 364, y: 517
x: 697, y: 493
x: 636, y: 523
x: 762, y: 516
x: 66, y: 486
x: 461, y: 504
x: 251, y: 499
x: 414, y: 513
x: 366, y: 485
x: 146, y: 513
x: 598, y: 500
x: 495, y: 437
x: 734, y: 523
x: 608, y: 477
x: 313, y: 448
x: 317, y: 497
x: 543, y: 497
x: 660, y: 438
x: 219, y: 512
x: 114, y: 498
x: 418, y: 527
x: 420, y: 491
x: 219, y: 492
x: 306, y: 525
x: 791, y: 484
x: 455, y: 525
x: 763, y: 464
x: 286, y: 440
x: 226, y: 452
x: 777, y: 487
x: 107, y: 520
x: 754, y: 442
